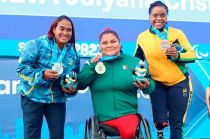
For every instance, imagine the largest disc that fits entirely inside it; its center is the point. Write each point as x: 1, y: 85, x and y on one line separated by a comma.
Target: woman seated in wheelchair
x: 113, y: 90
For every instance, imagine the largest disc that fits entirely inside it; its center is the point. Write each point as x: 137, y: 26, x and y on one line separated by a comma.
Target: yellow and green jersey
x: 162, y: 69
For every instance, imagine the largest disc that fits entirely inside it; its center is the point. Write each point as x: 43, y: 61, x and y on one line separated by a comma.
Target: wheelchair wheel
x: 87, y: 130
x: 144, y: 128
x: 91, y: 128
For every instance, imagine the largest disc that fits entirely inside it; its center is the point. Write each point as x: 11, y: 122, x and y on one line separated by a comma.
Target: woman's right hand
x: 96, y: 58
x: 142, y: 85
x: 50, y: 75
x: 69, y: 90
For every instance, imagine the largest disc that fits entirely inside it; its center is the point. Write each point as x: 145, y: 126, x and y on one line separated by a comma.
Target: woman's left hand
x: 171, y: 52
x: 69, y: 91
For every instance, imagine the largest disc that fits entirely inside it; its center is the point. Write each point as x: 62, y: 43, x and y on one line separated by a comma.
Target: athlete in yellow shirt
x: 166, y: 51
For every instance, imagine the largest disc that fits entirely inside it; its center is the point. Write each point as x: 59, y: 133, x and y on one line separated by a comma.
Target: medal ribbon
x: 107, y: 58
x: 162, y: 36
x: 56, y: 57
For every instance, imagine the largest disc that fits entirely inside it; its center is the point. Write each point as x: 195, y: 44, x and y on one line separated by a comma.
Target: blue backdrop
x: 15, y: 30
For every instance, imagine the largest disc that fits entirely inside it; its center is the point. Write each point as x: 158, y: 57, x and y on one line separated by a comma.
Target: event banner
x: 16, y: 30
x: 180, y: 10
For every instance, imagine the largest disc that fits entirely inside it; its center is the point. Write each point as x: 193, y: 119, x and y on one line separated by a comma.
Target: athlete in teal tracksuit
x: 34, y: 60
x: 40, y: 88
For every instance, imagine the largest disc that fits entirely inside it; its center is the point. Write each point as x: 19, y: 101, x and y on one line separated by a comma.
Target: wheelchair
x: 96, y: 130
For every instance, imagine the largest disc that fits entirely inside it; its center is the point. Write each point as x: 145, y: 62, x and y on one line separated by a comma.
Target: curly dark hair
x: 158, y: 3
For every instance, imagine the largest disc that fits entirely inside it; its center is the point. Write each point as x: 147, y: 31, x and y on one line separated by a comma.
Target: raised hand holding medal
x: 100, y: 68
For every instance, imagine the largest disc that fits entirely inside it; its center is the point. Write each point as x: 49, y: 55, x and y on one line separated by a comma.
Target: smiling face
x: 63, y: 32
x: 158, y: 17
x: 109, y: 44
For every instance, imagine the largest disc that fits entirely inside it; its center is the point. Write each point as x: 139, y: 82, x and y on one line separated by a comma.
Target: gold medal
x: 164, y: 45
x: 100, y: 68
x: 58, y: 67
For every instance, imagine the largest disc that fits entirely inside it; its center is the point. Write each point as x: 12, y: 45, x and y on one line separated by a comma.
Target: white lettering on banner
x: 9, y: 87
x: 83, y: 49
x: 30, y: 1
x: 87, y: 50
x: 71, y: 2
x: 5, y: 87
x: 109, y: 5
x: 17, y: 1
x: 14, y: 86
x: 106, y: 5
x: 193, y: 5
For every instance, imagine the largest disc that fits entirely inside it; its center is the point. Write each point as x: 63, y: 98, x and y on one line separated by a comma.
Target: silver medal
x: 100, y: 68
x: 58, y: 67
x: 164, y: 45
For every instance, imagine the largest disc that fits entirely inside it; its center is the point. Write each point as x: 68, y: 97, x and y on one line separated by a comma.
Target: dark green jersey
x: 113, y: 92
